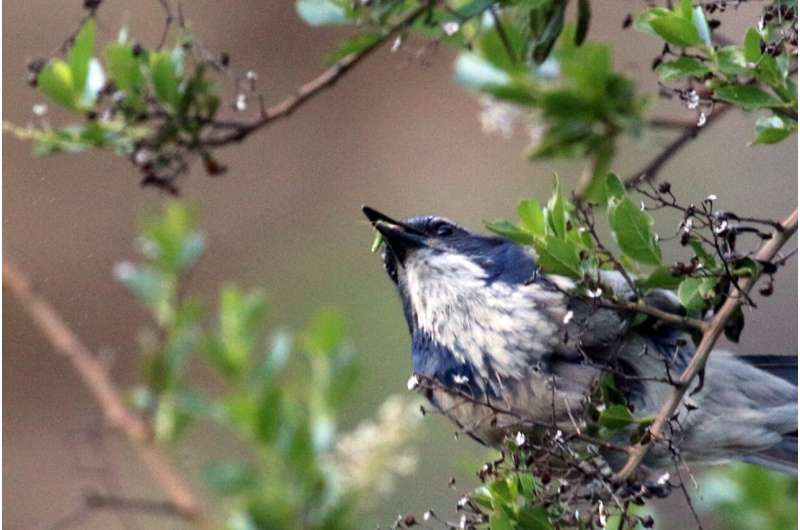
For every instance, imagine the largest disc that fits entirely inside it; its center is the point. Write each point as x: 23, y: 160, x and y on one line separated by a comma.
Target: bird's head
x: 436, y: 263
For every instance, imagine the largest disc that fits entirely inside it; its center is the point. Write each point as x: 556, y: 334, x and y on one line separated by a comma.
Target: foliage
x: 744, y: 496
x: 280, y: 397
x: 753, y: 75
x: 159, y: 107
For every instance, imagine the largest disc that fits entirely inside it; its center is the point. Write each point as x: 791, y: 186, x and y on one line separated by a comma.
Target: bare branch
x: 697, y: 363
x: 94, y: 376
x: 311, y: 89
x: 651, y: 169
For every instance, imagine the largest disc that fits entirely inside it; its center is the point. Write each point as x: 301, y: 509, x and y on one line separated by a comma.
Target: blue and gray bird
x: 487, y: 324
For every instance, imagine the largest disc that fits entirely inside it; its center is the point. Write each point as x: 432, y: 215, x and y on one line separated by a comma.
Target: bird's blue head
x: 465, y: 295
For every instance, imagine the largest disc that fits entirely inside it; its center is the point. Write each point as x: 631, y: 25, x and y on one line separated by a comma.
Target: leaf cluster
x: 279, y: 395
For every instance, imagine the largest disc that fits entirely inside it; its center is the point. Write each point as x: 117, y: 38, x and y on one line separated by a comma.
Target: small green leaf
x: 614, y: 187
x: 321, y: 12
x: 79, y: 55
x: 531, y: 217
x: 499, y: 520
x: 557, y: 256
x: 533, y: 518
x: 701, y: 25
x: 165, y: 79
x: 123, y: 67
x: 325, y: 332
x: 660, y: 278
x: 752, y: 46
x: 354, y: 44
x: 584, y: 17
x: 773, y: 129
x: 376, y: 243
x: 510, y: 231
x: 474, y: 72
x: 55, y: 80
x: 632, y: 230
x: 676, y: 30
x: 731, y: 61
x: 269, y: 416
x: 682, y: 68
x: 230, y: 477
x: 747, y: 96
x: 616, y: 417
x: 695, y: 293
x: 734, y: 325
x: 556, y: 211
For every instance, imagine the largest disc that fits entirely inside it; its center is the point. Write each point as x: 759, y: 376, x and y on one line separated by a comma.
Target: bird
x: 504, y: 349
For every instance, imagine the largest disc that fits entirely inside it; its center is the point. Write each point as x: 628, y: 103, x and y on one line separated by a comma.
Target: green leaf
x: 543, y: 42
x: 472, y: 71
x: 676, y: 30
x: 584, y: 17
x: 534, y: 518
x: 747, y: 96
x: 734, y: 325
x: 682, y: 68
x: 269, y: 417
x: 631, y: 228
x: 752, y: 46
x: 499, y: 520
x: 701, y: 25
x: 230, y: 477
x: 660, y: 278
x: 79, y: 55
x: 531, y: 217
x: 614, y: 187
x: 354, y: 44
x: 325, y: 332
x: 695, y: 293
x: 557, y: 256
x: 123, y: 67
x: 556, y: 211
x: 321, y: 12
x: 165, y: 79
x: 510, y: 231
x: 616, y: 417
x: 55, y: 80
x: 731, y: 61
x: 773, y: 129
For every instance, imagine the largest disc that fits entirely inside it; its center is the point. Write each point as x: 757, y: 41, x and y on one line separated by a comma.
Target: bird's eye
x: 442, y: 229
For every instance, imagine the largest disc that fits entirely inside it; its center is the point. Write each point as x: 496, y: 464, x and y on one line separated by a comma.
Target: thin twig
x: 664, y: 316
x: 311, y: 89
x: 651, y: 169
x: 697, y: 363
x: 94, y: 376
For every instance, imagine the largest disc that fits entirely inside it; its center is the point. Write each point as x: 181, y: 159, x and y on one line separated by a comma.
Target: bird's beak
x: 398, y: 235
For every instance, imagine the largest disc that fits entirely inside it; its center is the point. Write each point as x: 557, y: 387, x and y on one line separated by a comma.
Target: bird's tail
x: 782, y: 366
x: 783, y: 456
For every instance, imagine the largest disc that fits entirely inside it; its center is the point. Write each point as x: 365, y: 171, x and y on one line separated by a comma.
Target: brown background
x: 393, y: 134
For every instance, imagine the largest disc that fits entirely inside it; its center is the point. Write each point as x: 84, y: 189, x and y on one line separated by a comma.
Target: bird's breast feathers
x: 498, y: 328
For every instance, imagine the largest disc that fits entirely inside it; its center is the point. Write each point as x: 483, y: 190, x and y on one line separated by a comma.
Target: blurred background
x: 397, y: 134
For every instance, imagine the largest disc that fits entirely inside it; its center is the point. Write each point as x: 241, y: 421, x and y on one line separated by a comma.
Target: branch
x: 309, y: 90
x: 97, y: 381
x: 716, y: 325
x: 664, y: 316
x: 652, y: 168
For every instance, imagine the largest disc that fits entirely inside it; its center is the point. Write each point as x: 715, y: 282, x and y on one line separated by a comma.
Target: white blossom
x: 241, y: 102
x: 413, y: 382
x: 662, y: 479
x: 701, y: 119
x: 40, y: 109
x: 568, y: 316
x: 451, y: 28
x: 497, y: 117
x: 519, y: 439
